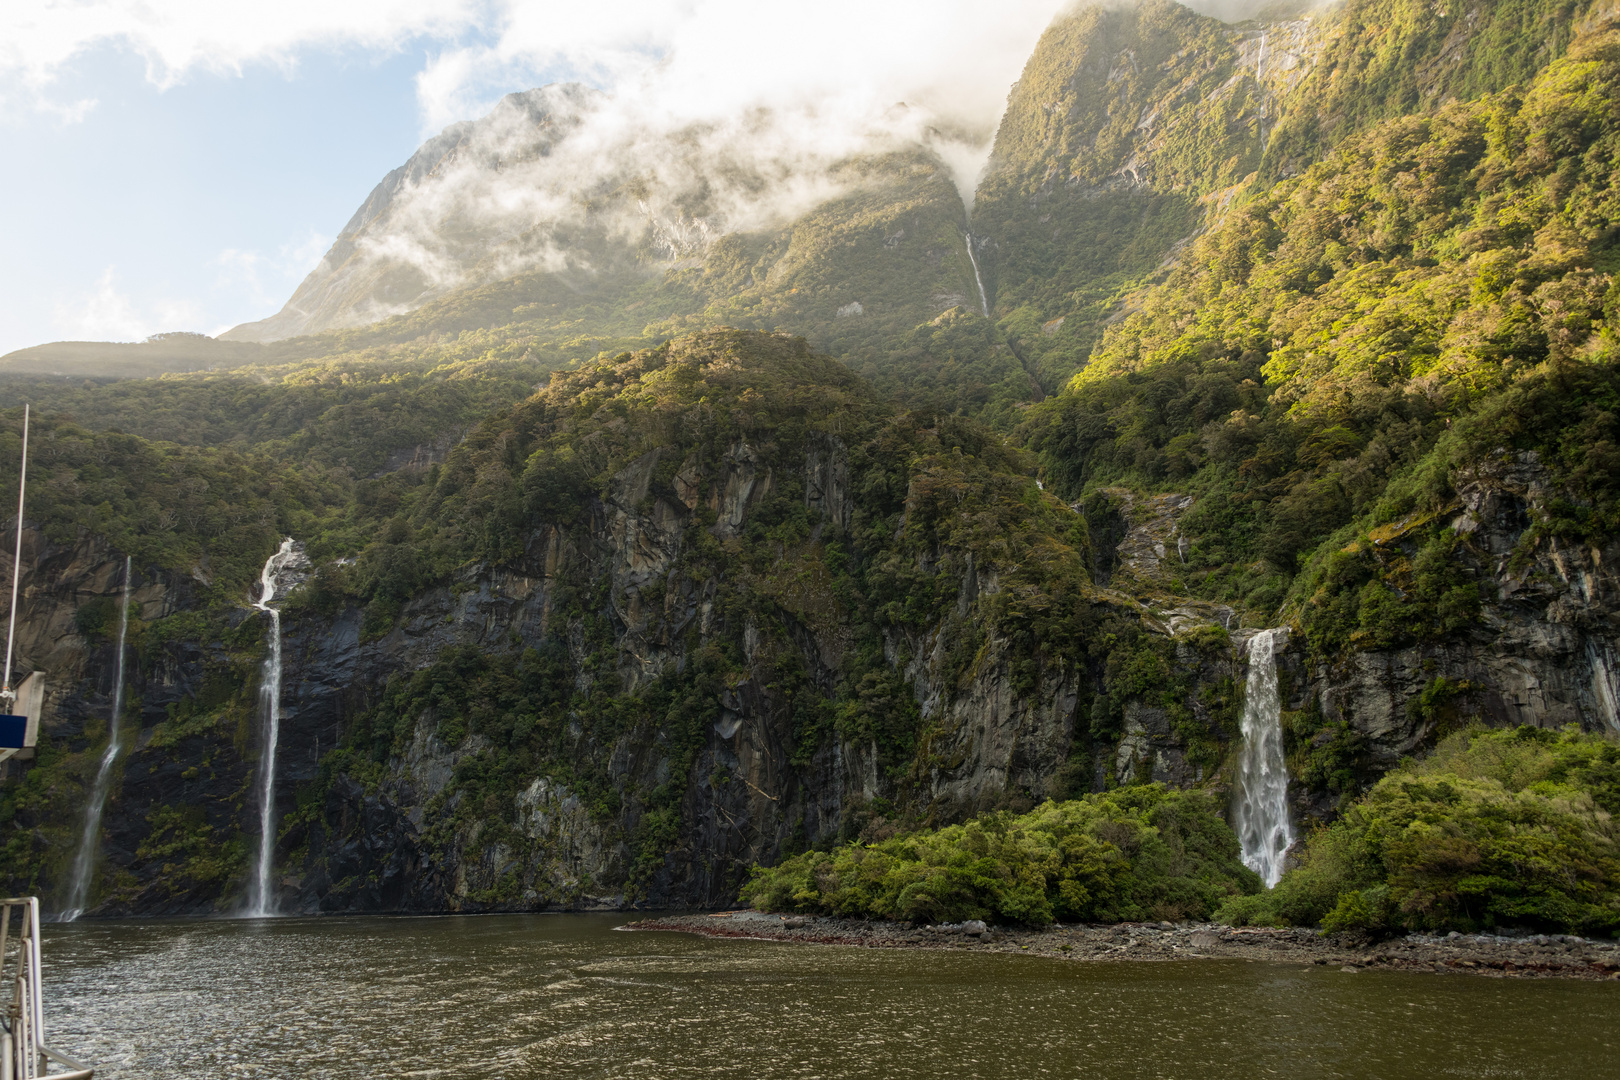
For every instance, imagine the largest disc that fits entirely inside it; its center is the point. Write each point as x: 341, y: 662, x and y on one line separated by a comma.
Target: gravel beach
x: 1534, y: 956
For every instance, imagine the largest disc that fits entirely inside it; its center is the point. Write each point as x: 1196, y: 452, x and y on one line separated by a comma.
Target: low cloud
x: 179, y: 37
x: 707, y: 116
x: 108, y: 313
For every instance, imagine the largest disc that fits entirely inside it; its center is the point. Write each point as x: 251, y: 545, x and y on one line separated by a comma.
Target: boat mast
x: 6, y: 693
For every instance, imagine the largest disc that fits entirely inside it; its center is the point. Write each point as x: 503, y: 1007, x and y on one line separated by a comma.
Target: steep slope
x: 1384, y: 395
x: 589, y: 622
x: 582, y: 212
x: 1133, y: 129
x: 1125, y: 120
x: 421, y: 231
x: 680, y: 610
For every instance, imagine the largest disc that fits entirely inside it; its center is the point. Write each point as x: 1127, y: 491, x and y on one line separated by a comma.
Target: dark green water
x: 567, y: 996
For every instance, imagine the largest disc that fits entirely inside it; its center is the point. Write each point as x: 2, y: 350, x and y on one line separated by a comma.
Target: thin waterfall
x: 1604, y: 686
x: 984, y: 300
x: 261, y: 902
x: 84, y: 861
x: 1261, y: 811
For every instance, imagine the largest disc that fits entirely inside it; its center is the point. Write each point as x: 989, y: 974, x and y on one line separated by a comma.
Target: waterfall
x: 1604, y: 687
x: 1261, y: 811
x: 984, y: 301
x: 261, y: 902
x: 84, y: 861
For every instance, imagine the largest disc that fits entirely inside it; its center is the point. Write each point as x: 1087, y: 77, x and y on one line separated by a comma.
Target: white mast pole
x: 16, y: 562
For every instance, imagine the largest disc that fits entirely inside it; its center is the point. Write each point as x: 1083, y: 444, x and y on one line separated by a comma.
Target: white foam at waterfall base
x: 1260, y: 814
x: 84, y: 860
x: 261, y: 902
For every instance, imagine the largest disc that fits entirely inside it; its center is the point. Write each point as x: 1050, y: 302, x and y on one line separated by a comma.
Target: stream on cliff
x: 520, y: 996
x: 84, y: 858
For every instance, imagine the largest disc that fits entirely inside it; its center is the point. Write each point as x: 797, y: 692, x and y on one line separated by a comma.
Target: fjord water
x: 1260, y: 810
x: 521, y: 996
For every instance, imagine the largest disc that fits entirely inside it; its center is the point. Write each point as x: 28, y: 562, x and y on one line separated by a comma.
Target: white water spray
x: 1261, y: 812
x: 260, y: 901
x: 84, y: 861
x: 984, y: 300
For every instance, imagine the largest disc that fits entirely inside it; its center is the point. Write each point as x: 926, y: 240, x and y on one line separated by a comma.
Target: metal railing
x: 23, y: 1053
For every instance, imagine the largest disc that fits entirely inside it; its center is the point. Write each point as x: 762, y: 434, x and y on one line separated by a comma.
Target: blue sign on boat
x: 13, y: 732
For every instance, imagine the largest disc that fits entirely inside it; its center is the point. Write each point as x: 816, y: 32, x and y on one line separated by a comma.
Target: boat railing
x: 23, y: 1053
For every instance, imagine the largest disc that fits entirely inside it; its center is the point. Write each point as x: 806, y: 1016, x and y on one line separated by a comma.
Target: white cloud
x: 700, y: 58
x: 711, y: 58
x: 175, y: 37
x: 254, y: 280
x: 110, y: 314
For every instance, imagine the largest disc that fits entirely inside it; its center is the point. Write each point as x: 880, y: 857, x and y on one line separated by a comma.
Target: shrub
x: 1143, y: 852
x: 1495, y: 828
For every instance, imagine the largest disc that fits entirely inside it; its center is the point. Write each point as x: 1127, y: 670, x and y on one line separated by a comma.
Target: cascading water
x: 1604, y: 685
x: 84, y: 861
x: 1261, y: 812
x: 260, y: 901
x: 984, y: 300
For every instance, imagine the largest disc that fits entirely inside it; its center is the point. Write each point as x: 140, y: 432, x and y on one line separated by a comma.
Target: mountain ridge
x: 615, y: 595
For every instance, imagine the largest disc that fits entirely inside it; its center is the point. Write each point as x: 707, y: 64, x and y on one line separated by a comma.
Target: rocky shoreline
x: 1533, y: 956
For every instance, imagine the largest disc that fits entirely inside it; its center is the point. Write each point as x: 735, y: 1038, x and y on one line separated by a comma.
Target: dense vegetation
x: 1131, y: 854
x: 653, y: 432
x: 1510, y: 828
x: 1327, y: 359
x: 1080, y: 198
x: 1324, y: 333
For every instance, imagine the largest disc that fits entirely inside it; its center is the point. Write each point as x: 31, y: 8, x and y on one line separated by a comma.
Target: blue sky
x: 194, y: 207
x: 182, y: 164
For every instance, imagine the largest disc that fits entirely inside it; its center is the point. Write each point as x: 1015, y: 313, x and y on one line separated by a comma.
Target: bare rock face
x: 991, y: 733
x: 1544, y: 651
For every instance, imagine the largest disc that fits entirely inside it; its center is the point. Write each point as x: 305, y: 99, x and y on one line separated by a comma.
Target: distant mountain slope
x: 607, y: 603
x: 158, y: 355
x: 420, y: 232
x: 548, y: 193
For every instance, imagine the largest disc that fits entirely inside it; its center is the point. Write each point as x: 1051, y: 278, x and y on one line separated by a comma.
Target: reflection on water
x: 564, y: 996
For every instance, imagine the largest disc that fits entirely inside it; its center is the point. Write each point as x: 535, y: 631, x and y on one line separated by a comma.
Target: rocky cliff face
x: 690, y: 687
x: 638, y: 706
x: 1542, y: 653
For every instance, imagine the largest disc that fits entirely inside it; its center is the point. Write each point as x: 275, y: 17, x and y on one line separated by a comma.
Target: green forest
x: 1350, y: 333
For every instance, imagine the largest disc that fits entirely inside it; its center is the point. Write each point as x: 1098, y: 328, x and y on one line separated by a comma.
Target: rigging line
x: 16, y: 562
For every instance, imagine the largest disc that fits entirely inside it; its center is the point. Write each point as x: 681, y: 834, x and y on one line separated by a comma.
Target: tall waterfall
x: 84, y: 861
x: 260, y: 900
x: 984, y: 300
x: 1261, y: 812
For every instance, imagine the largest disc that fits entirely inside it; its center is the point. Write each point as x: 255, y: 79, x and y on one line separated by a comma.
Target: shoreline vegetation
x: 1494, y: 829
x: 1533, y: 956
